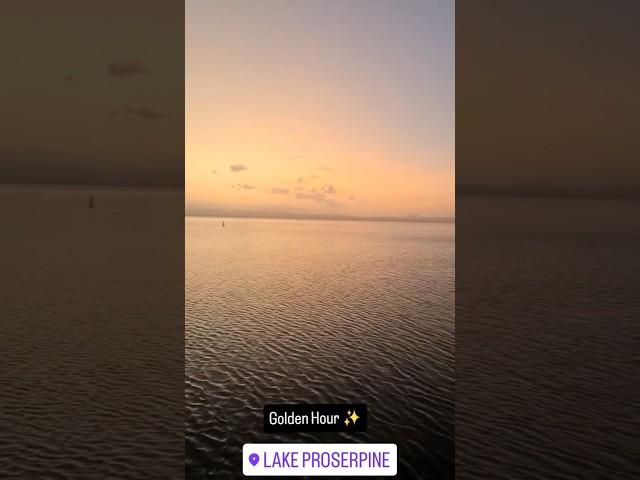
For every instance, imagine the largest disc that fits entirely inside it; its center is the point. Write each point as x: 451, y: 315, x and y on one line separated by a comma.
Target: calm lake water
x: 91, y: 341
x: 287, y: 311
x: 547, y: 339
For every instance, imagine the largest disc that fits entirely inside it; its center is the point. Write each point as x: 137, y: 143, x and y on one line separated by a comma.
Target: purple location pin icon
x: 253, y: 459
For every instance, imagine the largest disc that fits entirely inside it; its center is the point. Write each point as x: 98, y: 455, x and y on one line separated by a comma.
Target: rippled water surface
x: 91, y: 334
x: 317, y: 311
x: 547, y: 339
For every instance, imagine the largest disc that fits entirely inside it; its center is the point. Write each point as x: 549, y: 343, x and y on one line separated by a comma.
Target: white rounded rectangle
x: 319, y: 459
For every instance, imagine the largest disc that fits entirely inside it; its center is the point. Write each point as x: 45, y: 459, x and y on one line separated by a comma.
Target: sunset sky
x: 547, y: 96
x: 92, y: 94
x: 337, y: 107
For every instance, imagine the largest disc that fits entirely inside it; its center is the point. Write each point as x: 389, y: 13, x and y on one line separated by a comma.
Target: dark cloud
x: 214, y: 171
x: 126, y: 68
x: 238, y: 167
x: 143, y: 113
x: 281, y: 191
x: 243, y: 186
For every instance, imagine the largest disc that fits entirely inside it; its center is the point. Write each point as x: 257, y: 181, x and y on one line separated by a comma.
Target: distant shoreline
x: 25, y: 187
x: 580, y: 193
x: 343, y: 218
x: 81, y: 186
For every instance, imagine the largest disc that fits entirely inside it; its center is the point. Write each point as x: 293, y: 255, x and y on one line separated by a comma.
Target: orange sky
x: 341, y: 108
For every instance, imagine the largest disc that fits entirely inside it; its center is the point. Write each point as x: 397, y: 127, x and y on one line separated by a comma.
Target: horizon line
x: 622, y: 192
x: 327, y: 217
x: 92, y: 185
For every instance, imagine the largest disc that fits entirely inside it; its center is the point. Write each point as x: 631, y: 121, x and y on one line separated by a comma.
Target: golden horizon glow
x: 300, y: 127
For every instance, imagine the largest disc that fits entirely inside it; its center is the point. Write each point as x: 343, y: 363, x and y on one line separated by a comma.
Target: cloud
x: 300, y: 180
x: 126, y: 68
x: 316, y: 197
x: 214, y: 171
x: 238, y: 167
x: 326, y: 169
x: 280, y: 191
x: 319, y: 198
x: 69, y: 78
x: 328, y: 189
x: 295, y: 157
x: 315, y: 176
x: 143, y: 113
x: 243, y: 186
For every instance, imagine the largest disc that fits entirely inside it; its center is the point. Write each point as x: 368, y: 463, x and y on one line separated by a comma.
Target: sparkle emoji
x: 353, y: 416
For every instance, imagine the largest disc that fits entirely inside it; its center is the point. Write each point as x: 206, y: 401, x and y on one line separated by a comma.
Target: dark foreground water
x: 91, y: 334
x: 547, y: 339
x: 286, y: 311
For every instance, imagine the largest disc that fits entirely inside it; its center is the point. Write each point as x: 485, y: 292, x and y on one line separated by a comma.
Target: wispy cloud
x: 316, y: 197
x: 126, y: 68
x: 238, y: 167
x: 243, y: 186
x: 326, y: 169
x: 280, y: 191
x: 329, y: 189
